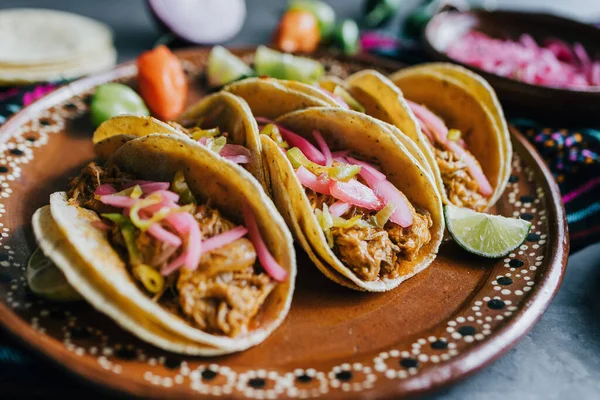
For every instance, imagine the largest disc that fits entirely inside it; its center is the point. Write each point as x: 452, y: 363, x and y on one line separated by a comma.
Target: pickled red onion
x: 339, y: 208
x: 295, y: 140
x: 174, y: 265
x: 105, y: 189
x: 390, y: 194
x: 164, y: 235
x: 264, y: 256
x: 117, y: 201
x: 154, y: 187
x: 241, y: 159
x: 323, y: 147
x: 354, y: 192
x: 556, y: 64
x: 311, y: 181
x: 223, y: 239
x: 439, y: 130
x: 367, y: 168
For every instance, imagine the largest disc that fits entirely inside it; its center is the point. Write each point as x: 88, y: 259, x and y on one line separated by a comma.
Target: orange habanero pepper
x: 162, y: 82
x: 298, y: 31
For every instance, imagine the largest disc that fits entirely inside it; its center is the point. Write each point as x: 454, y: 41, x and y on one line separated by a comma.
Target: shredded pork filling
x: 372, y: 252
x: 223, y: 294
x: 461, y: 188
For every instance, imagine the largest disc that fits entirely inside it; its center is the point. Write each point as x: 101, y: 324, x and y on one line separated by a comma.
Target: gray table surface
x: 560, y: 357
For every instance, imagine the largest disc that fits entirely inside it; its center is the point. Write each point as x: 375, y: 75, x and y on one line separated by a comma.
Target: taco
x: 481, y: 89
x: 359, y: 203
x: 456, y: 131
x: 271, y: 98
x: 172, y: 235
x: 221, y: 122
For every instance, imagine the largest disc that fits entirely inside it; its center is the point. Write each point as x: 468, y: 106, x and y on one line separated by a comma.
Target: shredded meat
x: 373, y: 252
x: 82, y: 187
x: 364, y: 250
x: 236, y: 256
x: 224, y: 303
x: 211, y: 222
x: 461, y: 188
x: 223, y: 294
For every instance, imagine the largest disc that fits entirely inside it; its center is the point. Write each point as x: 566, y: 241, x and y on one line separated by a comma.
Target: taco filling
x: 216, y: 141
x: 182, y: 252
x: 368, y: 223
x: 464, y: 181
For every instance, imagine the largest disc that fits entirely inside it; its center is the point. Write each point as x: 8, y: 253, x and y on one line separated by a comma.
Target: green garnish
x: 181, y: 187
x: 197, y: 134
x: 454, y: 135
x: 272, y: 131
x: 383, y: 215
x: 342, y: 172
x: 128, y: 233
x: 216, y: 144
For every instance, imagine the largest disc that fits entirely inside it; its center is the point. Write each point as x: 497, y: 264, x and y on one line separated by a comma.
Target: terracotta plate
x: 445, y: 323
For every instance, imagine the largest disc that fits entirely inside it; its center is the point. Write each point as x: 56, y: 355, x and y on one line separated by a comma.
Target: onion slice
x: 402, y: 214
x: 354, y: 192
x: 118, y: 201
x: 367, y: 168
x: 295, y: 140
x: 164, y: 235
x: 311, y: 181
x: 264, y: 256
x: 105, y: 189
x: 339, y: 208
x: 223, y: 239
x: 323, y: 147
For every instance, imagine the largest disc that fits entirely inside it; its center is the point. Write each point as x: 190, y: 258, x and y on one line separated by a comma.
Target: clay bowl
x: 522, y: 98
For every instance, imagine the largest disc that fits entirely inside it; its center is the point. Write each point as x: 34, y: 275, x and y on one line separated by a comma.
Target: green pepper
x: 323, y: 13
x: 272, y: 131
x: 198, y: 133
x: 112, y: 99
x: 346, y: 36
x: 181, y: 187
x: 128, y: 233
x: 343, y: 172
x: 378, y: 12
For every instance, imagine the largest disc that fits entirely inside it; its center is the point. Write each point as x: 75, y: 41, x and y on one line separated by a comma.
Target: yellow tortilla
x: 211, y: 178
x: 364, y: 136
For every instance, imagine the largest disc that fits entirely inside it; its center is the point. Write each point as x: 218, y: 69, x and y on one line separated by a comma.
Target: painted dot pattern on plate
x: 78, y: 327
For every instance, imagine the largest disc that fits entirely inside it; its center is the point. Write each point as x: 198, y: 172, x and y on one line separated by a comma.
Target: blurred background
x: 136, y: 31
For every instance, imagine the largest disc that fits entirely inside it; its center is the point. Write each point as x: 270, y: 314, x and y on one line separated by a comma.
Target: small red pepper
x: 162, y: 82
x: 298, y: 31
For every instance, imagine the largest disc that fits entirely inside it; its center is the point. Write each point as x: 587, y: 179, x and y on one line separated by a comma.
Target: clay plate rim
x: 456, y: 369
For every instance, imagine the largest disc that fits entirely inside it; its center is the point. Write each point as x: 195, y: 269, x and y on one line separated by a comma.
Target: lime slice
x: 47, y: 281
x: 224, y: 67
x: 322, y: 11
x: 486, y: 235
x: 272, y: 63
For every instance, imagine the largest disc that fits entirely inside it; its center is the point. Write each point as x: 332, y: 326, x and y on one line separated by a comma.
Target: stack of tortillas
x: 46, y: 45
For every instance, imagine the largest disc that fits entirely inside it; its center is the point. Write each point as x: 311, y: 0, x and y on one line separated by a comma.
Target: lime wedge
x: 47, y: 281
x: 278, y: 65
x: 486, y: 235
x: 322, y: 11
x: 224, y: 67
